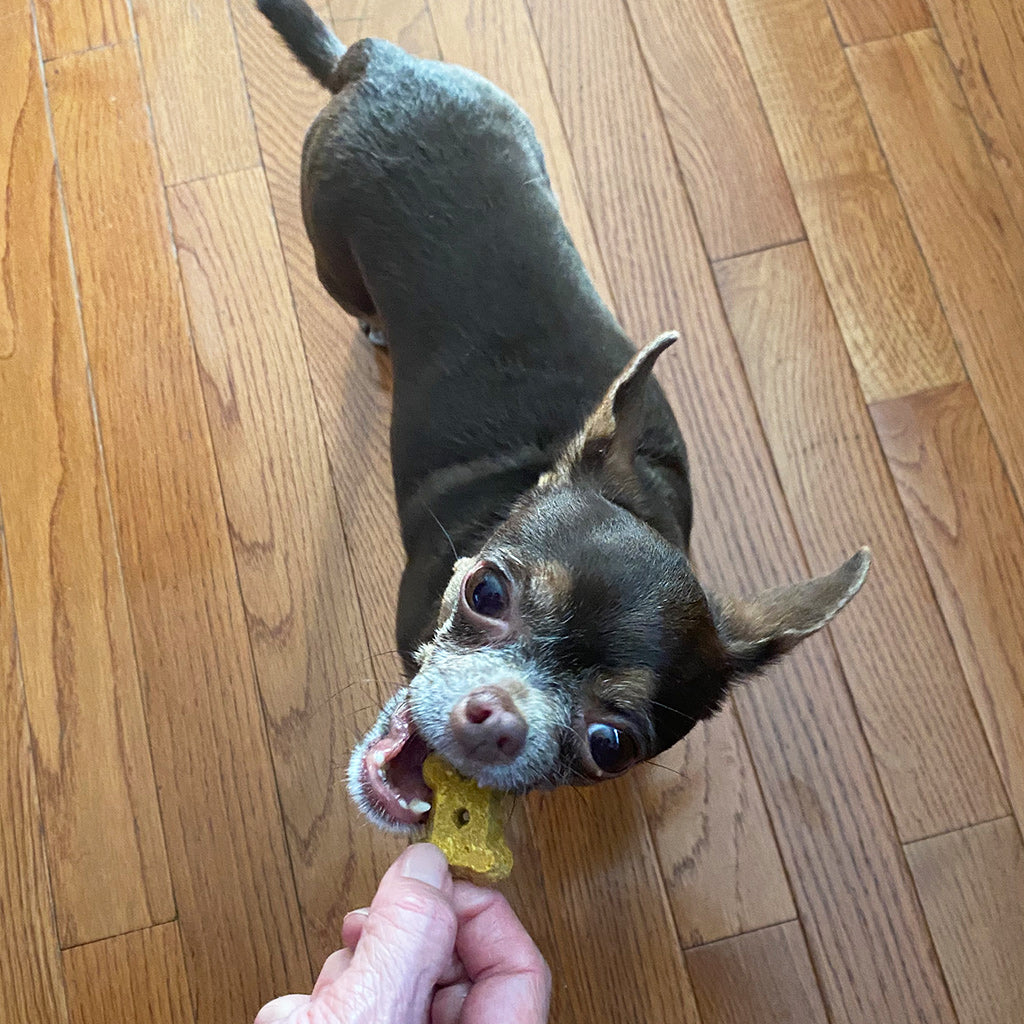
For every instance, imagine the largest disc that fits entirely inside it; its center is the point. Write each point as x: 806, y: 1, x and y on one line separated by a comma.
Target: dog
x: 551, y: 626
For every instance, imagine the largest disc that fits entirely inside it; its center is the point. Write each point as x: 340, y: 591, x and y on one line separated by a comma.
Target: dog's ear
x: 607, y: 444
x: 757, y: 631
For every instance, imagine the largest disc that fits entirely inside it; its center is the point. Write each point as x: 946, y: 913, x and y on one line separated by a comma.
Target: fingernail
x: 359, y: 912
x: 426, y: 863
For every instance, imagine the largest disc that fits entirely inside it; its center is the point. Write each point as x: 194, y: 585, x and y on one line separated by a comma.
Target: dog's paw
x: 374, y: 334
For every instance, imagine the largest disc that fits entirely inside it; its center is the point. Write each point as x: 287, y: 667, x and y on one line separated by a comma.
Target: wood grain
x: 876, y: 279
x: 860, y: 22
x: 304, y: 621
x: 925, y: 736
x: 409, y: 23
x: 971, y: 536
x: 968, y: 234
x: 194, y: 87
x: 232, y: 880
x: 761, y: 978
x: 129, y: 978
x: 972, y: 888
x: 351, y: 380
x: 985, y: 42
x: 96, y: 787
x: 865, y: 930
x: 714, y: 843
x: 619, y: 954
x: 67, y: 26
x: 719, y: 134
x: 30, y: 971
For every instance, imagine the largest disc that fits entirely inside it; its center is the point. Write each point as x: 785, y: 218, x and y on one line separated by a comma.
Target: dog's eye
x: 487, y: 593
x: 613, y: 750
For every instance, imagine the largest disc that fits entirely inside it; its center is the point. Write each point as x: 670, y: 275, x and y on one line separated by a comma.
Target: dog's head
x: 578, y: 642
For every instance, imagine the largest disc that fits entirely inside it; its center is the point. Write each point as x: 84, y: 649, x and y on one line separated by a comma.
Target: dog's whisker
x: 668, y: 768
x: 447, y: 535
x: 675, y: 711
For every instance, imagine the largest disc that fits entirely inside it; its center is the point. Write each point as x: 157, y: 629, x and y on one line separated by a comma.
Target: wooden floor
x: 199, y: 554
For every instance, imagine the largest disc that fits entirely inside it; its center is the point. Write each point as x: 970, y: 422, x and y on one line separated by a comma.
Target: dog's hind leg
x: 343, y: 279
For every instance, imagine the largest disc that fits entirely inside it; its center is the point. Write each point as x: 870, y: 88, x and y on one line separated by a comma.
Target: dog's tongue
x: 394, y: 771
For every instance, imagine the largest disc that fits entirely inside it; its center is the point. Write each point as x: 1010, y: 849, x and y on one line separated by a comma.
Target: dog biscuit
x: 466, y: 823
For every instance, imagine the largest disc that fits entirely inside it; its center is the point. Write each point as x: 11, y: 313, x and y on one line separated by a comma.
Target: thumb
x: 407, y: 940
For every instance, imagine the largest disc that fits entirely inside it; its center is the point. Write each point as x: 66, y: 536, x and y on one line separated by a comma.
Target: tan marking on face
x: 551, y: 585
x: 630, y: 689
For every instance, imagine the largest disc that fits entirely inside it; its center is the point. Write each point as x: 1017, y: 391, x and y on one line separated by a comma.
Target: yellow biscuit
x: 466, y: 823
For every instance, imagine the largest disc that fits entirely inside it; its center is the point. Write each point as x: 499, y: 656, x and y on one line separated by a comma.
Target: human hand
x: 427, y: 951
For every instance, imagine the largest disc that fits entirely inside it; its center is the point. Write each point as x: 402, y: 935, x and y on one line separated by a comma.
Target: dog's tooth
x: 401, y: 802
x: 418, y: 806
x: 377, y: 757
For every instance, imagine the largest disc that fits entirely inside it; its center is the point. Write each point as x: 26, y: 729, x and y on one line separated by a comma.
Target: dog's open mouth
x: 392, y: 772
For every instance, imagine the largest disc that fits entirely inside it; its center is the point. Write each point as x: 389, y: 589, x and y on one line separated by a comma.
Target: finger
x: 351, y: 930
x: 508, y: 973
x: 352, y: 926
x: 277, y: 1011
x: 407, y: 939
x: 334, y: 967
x: 447, y: 1005
x: 453, y: 973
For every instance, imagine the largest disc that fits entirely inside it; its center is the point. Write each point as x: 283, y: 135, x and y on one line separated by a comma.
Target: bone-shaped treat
x: 466, y: 823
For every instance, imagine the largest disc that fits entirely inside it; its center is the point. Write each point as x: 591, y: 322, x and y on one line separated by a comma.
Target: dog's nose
x: 488, y: 727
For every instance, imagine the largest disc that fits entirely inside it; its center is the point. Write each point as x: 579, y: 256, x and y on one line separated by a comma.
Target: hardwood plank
x: 985, y: 42
x: 597, y: 856
x: 128, y: 978
x: 351, y: 380
x: 104, y: 837
x: 713, y: 839
x: 30, y: 969
x: 865, y: 930
x: 408, y: 23
x: 765, y: 976
x: 972, y: 888
x: 875, y: 277
x: 718, y: 130
x: 861, y: 22
x: 971, y: 536
x: 304, y: 622
x: 233, y: 885
x: 194, y: 87
x: 925, y: 736
x: 973, y: 245
x: 67, y: 26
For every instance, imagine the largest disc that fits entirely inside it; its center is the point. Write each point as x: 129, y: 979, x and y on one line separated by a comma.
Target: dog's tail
x: 307, y: 37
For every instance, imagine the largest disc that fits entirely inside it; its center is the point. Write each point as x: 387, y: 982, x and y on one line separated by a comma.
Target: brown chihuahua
x: 530, y: 446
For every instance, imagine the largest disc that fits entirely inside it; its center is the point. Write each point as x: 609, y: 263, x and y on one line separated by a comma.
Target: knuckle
x: 414, y: 912
x: 545, y: 971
